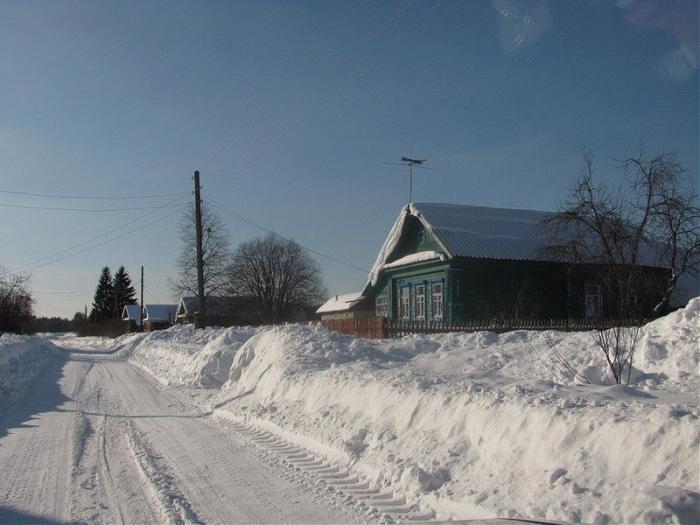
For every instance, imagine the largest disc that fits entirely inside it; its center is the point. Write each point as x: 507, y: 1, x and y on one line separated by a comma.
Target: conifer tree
x: 124, y: 292
x: 103, y: 303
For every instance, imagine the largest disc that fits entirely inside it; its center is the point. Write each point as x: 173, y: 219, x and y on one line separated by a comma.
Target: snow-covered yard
x: 464, y: 425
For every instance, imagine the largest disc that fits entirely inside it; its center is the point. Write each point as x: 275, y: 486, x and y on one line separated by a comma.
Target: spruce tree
x: 124, y: 292
x: 103, y: 303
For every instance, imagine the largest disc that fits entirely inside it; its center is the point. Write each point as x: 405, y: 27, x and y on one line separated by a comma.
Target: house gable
x: 415, y: 238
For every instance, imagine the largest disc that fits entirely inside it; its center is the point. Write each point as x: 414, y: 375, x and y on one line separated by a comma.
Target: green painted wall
x: 510, y: 289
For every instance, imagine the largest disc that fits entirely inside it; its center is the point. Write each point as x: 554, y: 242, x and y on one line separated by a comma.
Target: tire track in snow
x: 173, y: 505
x: 382, y: 504
x: 105, y: 471
x: 80, y: 433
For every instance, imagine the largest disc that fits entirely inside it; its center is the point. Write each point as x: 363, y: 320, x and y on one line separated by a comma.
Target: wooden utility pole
x: 141, y: 309
x: 201, y: 317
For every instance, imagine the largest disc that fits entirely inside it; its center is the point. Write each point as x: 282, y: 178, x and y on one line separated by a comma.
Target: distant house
x: 131, y: 314
x: 348, y: 306
x: 451, y: 263
x: 158, y: 316
x: 220, y: 311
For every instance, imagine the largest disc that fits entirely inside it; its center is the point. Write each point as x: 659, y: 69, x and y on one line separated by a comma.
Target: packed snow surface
x: 468, y: 425
x: 97, y: 440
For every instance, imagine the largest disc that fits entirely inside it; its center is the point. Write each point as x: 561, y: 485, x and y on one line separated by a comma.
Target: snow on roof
x: 470, y: 231
x: 340, y: 303
x: 415, y: 257
x: 159, y: 312
x: 131, y: 312
x: 477, y: 231
x: 215, y: 304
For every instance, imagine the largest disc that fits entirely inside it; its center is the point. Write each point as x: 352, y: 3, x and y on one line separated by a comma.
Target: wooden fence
x: 367, y: 327
x: 380, y: 328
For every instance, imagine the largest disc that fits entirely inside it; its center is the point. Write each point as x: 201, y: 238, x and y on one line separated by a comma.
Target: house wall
x: 409, y: 277
x: 483, y: 289
x: 486, y: 289
x: 480, y: 289
x: 150, y: 326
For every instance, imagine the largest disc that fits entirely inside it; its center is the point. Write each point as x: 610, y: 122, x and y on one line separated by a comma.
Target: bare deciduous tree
x: 216, y: 252
x: 653, y: 220
x: 15, y: 300
x: 278, y: 274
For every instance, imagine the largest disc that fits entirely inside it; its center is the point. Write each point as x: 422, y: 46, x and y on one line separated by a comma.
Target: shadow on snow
x: 43, y: 395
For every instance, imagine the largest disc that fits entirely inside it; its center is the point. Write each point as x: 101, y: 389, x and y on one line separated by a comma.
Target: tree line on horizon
x: 111, y: 295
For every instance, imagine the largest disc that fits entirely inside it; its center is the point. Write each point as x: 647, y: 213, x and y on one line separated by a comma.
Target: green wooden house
x: 450, y: 263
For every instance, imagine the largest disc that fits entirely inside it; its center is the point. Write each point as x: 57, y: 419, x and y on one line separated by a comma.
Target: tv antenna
x: 405, y: 161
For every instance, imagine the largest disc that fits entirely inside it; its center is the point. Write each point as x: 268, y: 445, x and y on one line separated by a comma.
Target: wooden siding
x: 415, y: 238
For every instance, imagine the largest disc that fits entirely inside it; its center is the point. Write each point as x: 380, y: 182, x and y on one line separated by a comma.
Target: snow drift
x: 22, y: 359
x: 475, y: 425
x: 468, y: 425
x: 183, y: 355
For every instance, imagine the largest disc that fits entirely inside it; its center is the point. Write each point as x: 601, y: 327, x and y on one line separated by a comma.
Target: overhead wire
x: 94, y: 197
x: 268, y: 230
x: 68, y: 256
x: 174, y: 202
x: 90, y: 210
x: 60, y: 293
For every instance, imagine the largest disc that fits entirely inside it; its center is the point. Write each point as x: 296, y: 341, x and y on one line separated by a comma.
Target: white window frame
x: 593, y: 300
x: 420, y: 301
x: 382, y: 306
x: 405, y: 302
x: 437, y: 306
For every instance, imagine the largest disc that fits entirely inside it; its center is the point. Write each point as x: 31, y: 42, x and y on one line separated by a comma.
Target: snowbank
x: 184, y: 356
x: 468, y: 425
x: 22, y: 359
x: 478, y: 425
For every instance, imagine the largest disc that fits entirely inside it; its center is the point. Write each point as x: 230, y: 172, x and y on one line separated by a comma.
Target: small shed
x: 348, y: 306
x: 131, y: 314
x: 221, y: 310
x: 158, y: 316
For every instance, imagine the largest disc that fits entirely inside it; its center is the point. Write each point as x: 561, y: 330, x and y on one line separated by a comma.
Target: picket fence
x: 382, y: 328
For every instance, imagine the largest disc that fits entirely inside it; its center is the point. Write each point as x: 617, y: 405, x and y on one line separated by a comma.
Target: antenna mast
x: 411, y: 163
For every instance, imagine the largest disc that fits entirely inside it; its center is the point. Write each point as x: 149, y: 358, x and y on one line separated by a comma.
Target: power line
x: 60, y: 293
x: 263, y: 228
x: 94, y: 197
x: 174, y: 202
x: 91, y: 210
x: 103, y: 243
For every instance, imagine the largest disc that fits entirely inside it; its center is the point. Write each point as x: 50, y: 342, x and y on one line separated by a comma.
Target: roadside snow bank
x: 478, y: 425
x: 184, y: 356
x: 22, y: 359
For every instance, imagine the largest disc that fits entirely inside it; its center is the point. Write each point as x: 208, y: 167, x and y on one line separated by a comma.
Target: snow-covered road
x: 99, y: 441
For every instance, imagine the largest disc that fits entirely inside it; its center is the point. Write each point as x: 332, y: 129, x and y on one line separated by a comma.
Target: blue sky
x: 290, y: 110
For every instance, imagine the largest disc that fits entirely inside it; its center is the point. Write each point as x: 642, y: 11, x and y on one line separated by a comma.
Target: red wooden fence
x: 379, y: 327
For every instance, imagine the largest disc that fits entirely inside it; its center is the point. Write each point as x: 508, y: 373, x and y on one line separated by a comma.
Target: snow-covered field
x: 462, y: 425
x: 467, y: 425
